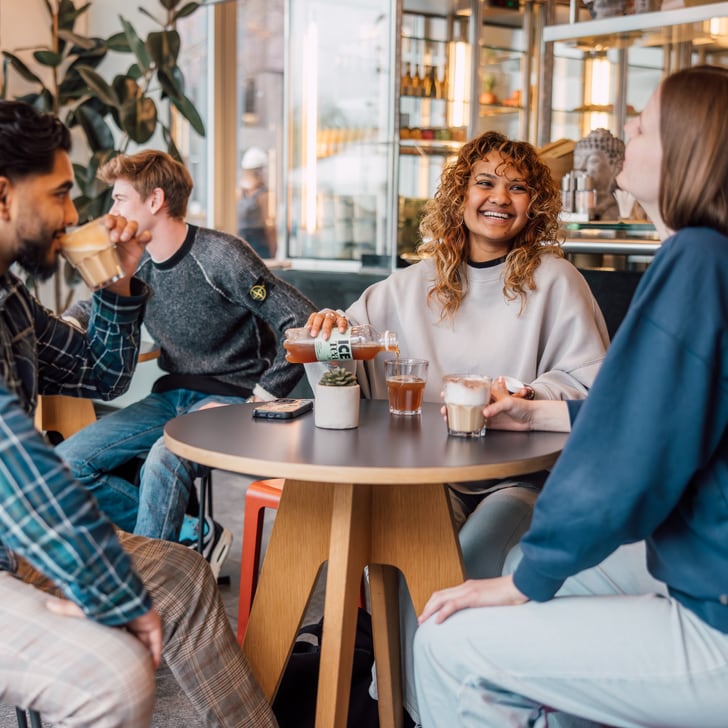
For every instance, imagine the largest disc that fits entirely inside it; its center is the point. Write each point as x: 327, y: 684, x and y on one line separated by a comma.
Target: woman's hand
x: 497, y: 592
x: 324, y: 321
x: 506, y: 412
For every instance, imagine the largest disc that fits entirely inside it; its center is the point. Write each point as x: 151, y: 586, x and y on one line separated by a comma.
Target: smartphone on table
x: 282, y: 409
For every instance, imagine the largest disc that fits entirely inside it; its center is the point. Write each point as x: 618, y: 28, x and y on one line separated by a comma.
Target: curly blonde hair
x: 445, y: 236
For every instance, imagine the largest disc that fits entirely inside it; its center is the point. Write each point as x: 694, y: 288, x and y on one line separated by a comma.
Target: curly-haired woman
x: 492, y: 295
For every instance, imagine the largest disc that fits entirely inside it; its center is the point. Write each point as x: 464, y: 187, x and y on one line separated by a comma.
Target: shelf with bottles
x: 424, y: 57
x: 500, y: 80
x: 424, y: 81
x: 445, y: 144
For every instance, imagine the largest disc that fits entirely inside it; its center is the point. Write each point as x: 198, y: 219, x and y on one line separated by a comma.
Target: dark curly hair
x: 445, y: 236
x: 29, y: 140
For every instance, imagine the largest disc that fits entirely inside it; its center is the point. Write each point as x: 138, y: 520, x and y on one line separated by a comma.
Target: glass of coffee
x: 465, y: 397
x: 90, y: 251
x: 405, y: 385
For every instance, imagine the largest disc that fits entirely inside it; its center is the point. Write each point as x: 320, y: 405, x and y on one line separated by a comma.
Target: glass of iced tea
x: 405, y: 385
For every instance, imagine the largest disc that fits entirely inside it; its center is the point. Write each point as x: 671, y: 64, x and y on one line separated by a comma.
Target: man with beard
x: 59, y: 654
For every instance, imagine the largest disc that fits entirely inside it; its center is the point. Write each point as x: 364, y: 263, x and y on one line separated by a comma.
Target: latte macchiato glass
x: 405, y: 385
x: 465, y: 397
x: 90, y: 251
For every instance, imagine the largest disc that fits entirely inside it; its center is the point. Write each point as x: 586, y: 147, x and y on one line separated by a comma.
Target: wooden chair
x: 62, y: 414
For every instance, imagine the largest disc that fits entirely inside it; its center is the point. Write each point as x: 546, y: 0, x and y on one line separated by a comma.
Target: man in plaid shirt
x: 61, y: 654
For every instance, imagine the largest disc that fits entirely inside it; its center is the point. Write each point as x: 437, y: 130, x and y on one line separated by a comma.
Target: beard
x: 35, y: 259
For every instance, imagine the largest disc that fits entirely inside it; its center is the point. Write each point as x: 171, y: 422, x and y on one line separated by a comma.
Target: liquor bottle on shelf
x: 441, y: 83
x: 428, y: 89
x: 358, y: 342
x: 417, y: 84
x: 406, y: 82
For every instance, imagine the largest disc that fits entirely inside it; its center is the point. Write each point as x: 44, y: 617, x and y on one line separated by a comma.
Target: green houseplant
x: 64, y: 79
x: 337, y: 400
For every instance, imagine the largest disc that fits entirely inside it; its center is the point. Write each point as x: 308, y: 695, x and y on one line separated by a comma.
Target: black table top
x: 383, y: 449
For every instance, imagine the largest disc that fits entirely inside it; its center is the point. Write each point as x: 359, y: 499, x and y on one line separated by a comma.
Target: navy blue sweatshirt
x: 648, y: 454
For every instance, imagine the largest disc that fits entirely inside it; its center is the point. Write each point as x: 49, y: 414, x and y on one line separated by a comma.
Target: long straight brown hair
x: 693, y: 133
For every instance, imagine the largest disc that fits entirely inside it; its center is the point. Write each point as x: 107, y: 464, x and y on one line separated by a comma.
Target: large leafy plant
x: 66, y: 81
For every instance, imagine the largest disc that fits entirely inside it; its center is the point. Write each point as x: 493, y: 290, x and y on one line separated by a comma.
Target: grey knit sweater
x: 216, y: 311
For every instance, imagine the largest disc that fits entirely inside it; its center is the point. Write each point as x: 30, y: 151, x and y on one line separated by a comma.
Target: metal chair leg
x: 35, y: 721
x: 205, y: 506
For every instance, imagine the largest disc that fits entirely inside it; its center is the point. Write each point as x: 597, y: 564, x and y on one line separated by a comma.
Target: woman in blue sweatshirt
x: 617, y: 611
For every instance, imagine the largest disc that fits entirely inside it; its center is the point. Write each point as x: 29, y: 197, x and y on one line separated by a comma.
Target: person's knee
x: 177, y: 473
x: 494, y: 529
x: 116, y: 690
x: 134, y: 697
x: 73, y: 453
x: 427, y: 643
x: 179, y: 579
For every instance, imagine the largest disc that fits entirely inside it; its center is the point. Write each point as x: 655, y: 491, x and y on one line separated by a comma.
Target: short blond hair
x: 149, y: 170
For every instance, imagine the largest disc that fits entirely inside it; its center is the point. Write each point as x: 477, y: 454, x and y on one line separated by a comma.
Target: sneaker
x: 216, y: 550
x: 216, y: 541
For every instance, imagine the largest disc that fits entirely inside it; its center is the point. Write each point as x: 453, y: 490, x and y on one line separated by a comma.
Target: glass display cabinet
x: 597, y: 73
x: 460, y: 74
x: 340, y: 131
x: 379, y: 93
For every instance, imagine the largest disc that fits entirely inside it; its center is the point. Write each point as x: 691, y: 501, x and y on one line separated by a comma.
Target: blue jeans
x: 157, y: 506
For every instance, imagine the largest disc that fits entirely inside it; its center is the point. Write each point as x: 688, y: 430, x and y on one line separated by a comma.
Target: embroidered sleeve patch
x: 259, y: 291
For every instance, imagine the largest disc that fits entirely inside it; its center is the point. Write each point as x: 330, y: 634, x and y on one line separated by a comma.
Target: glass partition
x: 339, y: 130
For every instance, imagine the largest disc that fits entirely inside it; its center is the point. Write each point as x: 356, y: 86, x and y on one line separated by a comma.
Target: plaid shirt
x: 45, y: 516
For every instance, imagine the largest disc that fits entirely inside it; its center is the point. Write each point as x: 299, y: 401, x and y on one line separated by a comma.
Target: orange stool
x: 261, y: 494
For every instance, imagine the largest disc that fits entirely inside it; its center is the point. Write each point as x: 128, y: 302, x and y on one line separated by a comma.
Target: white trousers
x: 79, y: 672
x: 612, y: 647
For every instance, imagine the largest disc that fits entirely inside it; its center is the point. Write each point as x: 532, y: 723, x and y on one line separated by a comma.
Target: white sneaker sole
x: 220, y: 552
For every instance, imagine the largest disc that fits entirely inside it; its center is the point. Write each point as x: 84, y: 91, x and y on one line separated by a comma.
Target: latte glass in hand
x: 465, y: 397
x: 90, y: 251
x: 405, y: 385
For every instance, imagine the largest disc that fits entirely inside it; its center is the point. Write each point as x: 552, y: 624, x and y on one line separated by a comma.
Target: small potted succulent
x: 337, y: 400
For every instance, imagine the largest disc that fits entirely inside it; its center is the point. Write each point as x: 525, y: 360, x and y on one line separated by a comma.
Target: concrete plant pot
x: 336, y: 408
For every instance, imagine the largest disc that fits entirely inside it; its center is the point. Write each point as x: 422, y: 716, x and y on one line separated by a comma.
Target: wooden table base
x: 350, y: 525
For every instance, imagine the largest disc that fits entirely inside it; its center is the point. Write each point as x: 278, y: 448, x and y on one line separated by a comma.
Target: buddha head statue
x: 600, y: 155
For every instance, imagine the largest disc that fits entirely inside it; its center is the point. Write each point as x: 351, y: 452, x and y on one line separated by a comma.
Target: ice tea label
x: 336, y: 348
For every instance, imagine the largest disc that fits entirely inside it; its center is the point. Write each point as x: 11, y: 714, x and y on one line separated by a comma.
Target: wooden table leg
x: 412, y: 530
x: 301, y: 527
x: 348, y: 554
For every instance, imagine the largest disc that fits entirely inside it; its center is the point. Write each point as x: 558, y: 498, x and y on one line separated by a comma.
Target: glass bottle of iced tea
x: 357, y: 342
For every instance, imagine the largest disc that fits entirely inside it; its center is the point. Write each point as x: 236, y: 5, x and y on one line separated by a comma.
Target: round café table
x: 375, y: 496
